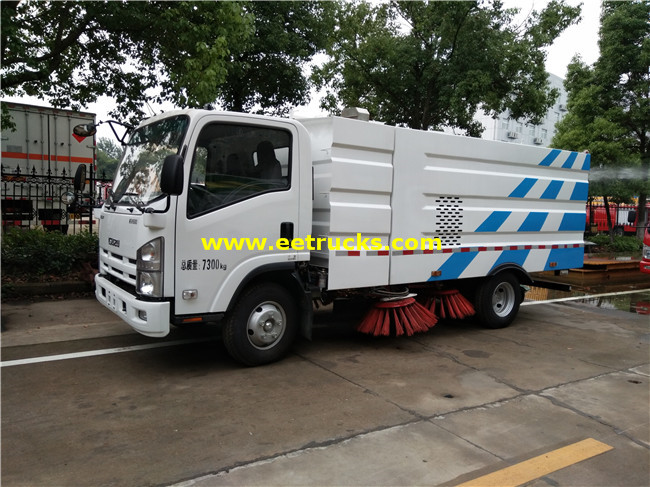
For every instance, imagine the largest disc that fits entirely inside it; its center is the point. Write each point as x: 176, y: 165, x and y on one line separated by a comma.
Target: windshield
x: 137, y: 181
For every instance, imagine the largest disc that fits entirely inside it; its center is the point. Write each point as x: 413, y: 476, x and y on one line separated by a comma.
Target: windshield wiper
x: 138, y: 203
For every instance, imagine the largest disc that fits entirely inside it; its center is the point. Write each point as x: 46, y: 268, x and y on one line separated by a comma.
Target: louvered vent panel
x: 449, y: 220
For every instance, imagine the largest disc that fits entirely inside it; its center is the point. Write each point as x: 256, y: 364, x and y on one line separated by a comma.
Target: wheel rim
x: 503, y: 299
x: 266, y: 325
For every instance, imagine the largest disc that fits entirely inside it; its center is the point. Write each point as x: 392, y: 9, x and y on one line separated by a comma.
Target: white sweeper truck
x: 247, y: 220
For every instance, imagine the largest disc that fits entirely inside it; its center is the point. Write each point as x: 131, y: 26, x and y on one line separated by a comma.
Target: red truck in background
x: 645, y: 257
x: 624, y: 218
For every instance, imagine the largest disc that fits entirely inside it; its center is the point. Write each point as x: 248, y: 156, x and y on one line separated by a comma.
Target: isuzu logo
x: 114, y: 242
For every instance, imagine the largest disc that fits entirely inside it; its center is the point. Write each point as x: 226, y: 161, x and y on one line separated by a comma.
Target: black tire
x: 262, y: 325
x: 497, y: 300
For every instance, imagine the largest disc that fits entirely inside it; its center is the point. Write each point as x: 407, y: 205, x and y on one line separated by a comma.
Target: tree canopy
x: 266, y: 73
x: 242, y: 54
x: 431, y: 64
x: 72, y: 52
x: 608, y: 105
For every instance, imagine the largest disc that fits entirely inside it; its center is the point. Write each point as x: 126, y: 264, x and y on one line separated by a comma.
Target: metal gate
x: 31, y: 200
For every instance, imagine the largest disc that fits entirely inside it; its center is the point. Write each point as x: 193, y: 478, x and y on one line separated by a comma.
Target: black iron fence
x: 31, y: 200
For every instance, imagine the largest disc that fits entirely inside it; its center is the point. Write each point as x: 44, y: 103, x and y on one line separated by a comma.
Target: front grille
x: 118, y: 266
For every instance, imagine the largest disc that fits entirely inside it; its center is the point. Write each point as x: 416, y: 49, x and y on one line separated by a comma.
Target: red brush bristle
x: 404, y: 316
x: 385, y: 328
x: 451, y: 304
x: 369, y: 322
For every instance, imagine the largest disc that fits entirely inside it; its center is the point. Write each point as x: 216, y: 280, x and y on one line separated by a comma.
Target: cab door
x: 241, y: 195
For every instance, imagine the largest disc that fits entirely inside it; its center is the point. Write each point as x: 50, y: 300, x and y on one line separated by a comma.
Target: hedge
x: 32, y: 254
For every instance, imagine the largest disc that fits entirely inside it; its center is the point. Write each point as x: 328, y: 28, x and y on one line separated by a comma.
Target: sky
x: 581, y: 38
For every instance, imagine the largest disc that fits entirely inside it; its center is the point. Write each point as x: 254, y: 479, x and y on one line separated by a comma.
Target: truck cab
x: 187, y: 179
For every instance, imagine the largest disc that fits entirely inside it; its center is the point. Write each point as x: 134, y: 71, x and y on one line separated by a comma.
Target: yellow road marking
x: 541, y: 465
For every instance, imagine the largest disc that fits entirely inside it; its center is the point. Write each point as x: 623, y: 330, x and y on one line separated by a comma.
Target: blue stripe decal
x: 551, y: 192
x: 587, y: 164
x: 548, y: 160
x: 512, y: 256
x: 454, y: 266
x: 524, y: 187
x: 565, y: 259
x: 580, y: 192
x: 533, y: 222
x: 493, y: 222
x: 573, y: 222
x: 568, y: 164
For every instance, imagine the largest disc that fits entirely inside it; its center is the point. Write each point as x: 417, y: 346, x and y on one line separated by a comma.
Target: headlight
x: 150, y: 283
x: 149, y: 279
x: 150, y: 255
x: 646, y: 252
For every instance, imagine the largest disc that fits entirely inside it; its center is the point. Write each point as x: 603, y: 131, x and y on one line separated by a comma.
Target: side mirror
x: 85, y: 129
x: 171, y: 178
x: 80, y: 178
x: 68, y: 198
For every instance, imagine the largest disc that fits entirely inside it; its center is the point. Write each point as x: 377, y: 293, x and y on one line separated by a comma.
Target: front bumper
x: 132, y: 310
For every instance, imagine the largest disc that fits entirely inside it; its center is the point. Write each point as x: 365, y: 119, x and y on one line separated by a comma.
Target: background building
x: 506, y: 129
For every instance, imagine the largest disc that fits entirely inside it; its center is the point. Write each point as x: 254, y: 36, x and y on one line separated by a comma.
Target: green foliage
x: 249, y: 56
x: 34, y: 253
x: 6, y: 122
x: 608, y: 105
x: 619, y: 244
x: 72, y: 52
x: 109, y: 154
x: 266, y: 74
x: 431, y: 64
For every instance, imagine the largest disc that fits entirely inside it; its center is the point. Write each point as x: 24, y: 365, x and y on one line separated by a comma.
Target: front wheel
x: 261, y: 327
x: 497, y: 301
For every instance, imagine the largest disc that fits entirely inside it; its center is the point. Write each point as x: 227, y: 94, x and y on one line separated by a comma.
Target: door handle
x: 286, y: 230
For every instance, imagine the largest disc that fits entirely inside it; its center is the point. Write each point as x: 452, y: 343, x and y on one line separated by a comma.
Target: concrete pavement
x: 439, y: 408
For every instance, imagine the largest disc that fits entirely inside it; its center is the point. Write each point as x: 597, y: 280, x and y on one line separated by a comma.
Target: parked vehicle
x: 39, y: 160
x: 247, y: 219
x: 624, y: 218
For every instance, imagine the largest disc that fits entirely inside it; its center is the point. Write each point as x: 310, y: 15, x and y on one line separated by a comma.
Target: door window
x: 233, y: 162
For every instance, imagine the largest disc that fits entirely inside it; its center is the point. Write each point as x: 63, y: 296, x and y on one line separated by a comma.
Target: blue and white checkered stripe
x: 477, y: 261
x: 571, y: 161
x: 459, y: 262
x: 546, y: 257
x: 539, y: 206
x: 541, y: 189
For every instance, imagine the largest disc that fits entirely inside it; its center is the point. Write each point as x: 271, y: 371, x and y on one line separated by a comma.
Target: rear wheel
x: 261, y: 327
x: 498, y: 299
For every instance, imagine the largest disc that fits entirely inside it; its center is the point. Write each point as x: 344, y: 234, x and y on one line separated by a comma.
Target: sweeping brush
x: 450, y: 304
x: 403, y: 316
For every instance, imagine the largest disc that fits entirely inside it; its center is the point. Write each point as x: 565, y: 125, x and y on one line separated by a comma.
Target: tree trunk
x: 610, y: 227
x: 642, y: 216
x: 641, y: 211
